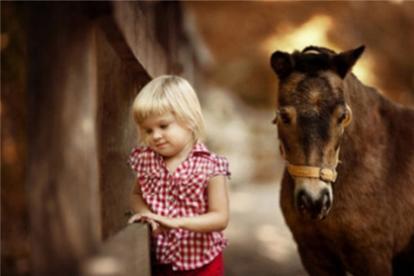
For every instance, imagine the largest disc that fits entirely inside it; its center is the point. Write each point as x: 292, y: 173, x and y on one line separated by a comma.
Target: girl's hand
x: 168, y: 223
x: 135, y: 218
x: 156, y: 229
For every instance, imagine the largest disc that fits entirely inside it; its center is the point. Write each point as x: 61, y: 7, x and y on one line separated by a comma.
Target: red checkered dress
x: 182, y: 193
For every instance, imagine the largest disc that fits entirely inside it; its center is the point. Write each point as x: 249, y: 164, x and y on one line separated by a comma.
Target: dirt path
x: 260, y: 242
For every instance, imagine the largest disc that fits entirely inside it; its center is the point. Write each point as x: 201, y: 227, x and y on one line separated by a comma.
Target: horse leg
x: 319, y: 262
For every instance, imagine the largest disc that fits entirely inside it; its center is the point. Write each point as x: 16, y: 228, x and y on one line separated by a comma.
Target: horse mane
x: 321, y: 50
x: 312, y: 59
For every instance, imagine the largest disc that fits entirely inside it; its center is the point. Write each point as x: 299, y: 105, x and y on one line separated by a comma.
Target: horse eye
x: 285, y: 117
x: 342, y: 117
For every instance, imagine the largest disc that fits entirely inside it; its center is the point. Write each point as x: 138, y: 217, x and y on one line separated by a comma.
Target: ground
x: 260, y: 242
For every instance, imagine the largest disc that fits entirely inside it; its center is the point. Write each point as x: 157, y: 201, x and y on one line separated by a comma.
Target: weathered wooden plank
x: 118, y: 84
x: 154, y: 33
x: 137, y: 23
x: 62, y: 177
x: 124, y: 254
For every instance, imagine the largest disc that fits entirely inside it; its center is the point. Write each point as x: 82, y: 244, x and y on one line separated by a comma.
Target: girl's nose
x: 156, y: 135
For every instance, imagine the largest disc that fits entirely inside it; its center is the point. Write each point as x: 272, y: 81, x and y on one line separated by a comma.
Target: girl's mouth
x: 161, y: 145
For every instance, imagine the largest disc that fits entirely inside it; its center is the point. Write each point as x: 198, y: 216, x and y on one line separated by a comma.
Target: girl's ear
x: 282, y: 63
x: 344, y: 61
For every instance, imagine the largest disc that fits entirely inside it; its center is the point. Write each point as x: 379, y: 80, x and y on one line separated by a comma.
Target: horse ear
x: 282, y: 64
x: 344, y: 61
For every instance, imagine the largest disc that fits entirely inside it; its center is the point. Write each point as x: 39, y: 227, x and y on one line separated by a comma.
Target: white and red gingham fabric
x: 182, y: 193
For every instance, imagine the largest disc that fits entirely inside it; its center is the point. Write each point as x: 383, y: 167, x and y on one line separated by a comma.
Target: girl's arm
x: 217, y: 216
x: 141, y: 210
x: 137, y: 203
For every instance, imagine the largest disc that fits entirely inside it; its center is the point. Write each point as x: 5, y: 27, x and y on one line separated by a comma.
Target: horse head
x: 312, y: 115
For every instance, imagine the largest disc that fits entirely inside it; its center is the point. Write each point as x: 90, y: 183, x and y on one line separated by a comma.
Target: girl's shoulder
x: 200, y: 150
x: 141, y: 152
x: 140, y: 156
x: 217, y: 162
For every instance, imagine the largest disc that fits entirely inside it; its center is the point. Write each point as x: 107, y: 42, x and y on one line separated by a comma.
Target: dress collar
x: 200, y: 148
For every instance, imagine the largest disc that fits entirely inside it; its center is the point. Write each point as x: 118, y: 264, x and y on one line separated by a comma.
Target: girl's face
x: 167, y: 136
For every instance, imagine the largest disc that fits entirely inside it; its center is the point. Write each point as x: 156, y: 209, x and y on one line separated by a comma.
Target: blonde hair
x: 169, y: 94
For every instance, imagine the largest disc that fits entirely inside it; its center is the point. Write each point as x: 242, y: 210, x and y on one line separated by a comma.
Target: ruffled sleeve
x: 220, y: 166
x: 136, y: 161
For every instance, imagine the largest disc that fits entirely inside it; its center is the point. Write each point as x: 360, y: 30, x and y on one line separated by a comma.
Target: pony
x: 347, y: 195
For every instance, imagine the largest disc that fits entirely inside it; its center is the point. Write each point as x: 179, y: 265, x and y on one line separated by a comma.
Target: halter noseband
x: 323, y: 173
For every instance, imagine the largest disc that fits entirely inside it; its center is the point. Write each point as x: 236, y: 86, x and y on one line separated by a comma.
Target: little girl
x: 181, y: 187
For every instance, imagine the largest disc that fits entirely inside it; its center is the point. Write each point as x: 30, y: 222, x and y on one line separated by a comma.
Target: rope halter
x: 324, y: 174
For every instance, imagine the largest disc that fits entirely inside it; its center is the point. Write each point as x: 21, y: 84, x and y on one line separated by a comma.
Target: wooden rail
x: 126, y: 253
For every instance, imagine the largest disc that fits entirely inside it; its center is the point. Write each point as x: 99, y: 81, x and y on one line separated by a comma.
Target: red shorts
x: 215, y: 268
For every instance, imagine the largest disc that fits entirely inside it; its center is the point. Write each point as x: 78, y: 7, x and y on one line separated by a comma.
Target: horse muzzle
x: 313, y: 189
x: 313, y: 197
x: 314, y: 208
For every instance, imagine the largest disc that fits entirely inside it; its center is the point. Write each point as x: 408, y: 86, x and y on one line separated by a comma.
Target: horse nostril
x: 325, y: 200
x: 315, y: 207
x: 304, y: 201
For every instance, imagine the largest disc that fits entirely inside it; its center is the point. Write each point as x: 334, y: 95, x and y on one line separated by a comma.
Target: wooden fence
x: 80, y: 66
x: 125, y: 253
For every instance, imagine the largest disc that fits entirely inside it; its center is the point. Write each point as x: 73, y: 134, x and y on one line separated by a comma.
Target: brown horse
x: 348, y: 192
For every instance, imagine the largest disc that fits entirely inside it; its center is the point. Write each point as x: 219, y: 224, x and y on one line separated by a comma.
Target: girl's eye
x: 164, y: 126
x: 148, y: 131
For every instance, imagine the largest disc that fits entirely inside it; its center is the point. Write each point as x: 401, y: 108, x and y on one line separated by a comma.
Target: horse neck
x: 366, y: 134
x: 379, y: 143
x: 362, y: 100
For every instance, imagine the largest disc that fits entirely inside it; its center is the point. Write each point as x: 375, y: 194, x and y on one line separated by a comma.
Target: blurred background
x: 223, y: 48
